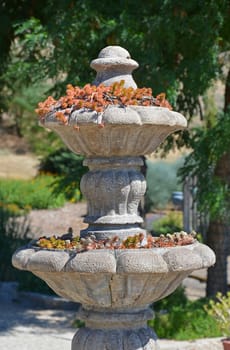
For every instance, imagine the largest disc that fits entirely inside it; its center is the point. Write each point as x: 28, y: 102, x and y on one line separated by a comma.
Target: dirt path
x: 23, y: 166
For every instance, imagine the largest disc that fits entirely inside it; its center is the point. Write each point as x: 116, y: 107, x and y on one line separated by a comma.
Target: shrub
x: 26, y: 194
x: 220, y: 311
x: 30, y: 283
x: 14, y: 233
x: 172, y: 222
x: 178, y: 318
x: 161, y: 182
x: 68, y: 166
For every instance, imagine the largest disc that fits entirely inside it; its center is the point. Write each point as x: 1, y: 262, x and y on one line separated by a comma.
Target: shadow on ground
x: 15, y: 314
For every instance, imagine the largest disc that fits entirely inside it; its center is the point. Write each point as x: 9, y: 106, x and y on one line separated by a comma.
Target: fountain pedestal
x: 113, y: 188
x: 119, y: 330
x: 115, y: 287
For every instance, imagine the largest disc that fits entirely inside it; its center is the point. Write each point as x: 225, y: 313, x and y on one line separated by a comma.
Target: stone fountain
x: 115, y: 287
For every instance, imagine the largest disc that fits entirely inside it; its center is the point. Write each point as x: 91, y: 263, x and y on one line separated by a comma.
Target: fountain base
x: 115, y: 330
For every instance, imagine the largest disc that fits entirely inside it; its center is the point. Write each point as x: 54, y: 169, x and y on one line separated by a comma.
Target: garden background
x: 183, y: 50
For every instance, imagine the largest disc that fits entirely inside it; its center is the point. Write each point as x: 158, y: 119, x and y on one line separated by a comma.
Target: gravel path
x: 57, y: 221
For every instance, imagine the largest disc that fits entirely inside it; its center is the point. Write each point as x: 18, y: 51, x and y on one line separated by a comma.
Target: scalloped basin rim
x: 154, y: 260
x: 115, y: 251
x: 139, y: 115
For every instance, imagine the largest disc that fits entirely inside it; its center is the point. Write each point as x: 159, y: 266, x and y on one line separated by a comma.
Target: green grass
x: 31, y: 194
x: 178, y: 318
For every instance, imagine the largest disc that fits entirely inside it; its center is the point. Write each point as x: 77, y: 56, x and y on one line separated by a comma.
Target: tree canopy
x: 177, y: 43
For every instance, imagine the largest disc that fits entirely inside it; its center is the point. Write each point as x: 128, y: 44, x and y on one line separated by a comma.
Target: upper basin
x: 119, y: 131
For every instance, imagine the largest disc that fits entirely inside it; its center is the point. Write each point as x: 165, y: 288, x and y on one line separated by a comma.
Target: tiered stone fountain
x: 115, y: 287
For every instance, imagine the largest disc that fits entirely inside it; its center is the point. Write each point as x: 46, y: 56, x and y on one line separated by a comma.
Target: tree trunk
x: 218, y: 235
x: 18, y: 120
x: 218, y: 238
x: 227, y: 93
x: 217, y: 275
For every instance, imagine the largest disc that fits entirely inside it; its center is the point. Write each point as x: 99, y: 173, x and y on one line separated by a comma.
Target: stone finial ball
x: 113, y: 65
x: 114, y: 51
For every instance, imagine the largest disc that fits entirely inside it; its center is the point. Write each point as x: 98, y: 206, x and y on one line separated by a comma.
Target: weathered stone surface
x: 140, y: 261
x: 115, y: 318
x: 113, y: 195
x: 207, y: 255
x: 114, y: 64
x: 43, y: 260
x: 95, y: 261
x: 104, y: 231
x: 21, y: 256
x: 182, y: 259
x: 113, y: 188
x: 115, y: 279
x: 129, y: 131
x: 135, y: 261
x: 115, y: 330
x: 117, y: 339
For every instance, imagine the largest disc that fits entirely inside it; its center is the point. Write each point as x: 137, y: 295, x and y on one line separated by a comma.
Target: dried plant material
x: 132, y: 242
x: 98, y: 98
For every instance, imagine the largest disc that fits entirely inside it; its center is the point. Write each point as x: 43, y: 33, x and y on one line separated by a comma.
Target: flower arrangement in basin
x: 79, y: 244
x: 131, y: 121
x: 98, y: 98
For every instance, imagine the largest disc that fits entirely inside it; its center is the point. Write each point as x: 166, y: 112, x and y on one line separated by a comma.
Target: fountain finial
x: 114, y: 64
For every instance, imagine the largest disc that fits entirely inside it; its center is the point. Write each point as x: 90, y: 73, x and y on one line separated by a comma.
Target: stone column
x: 113, y: 188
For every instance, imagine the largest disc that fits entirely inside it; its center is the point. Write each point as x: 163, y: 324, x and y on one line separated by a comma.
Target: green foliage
x: 161, y: 182
x: 78, y: 324
x: 30, y: 283
x: 60, y: 162
x: 31, y: 194
x: 15, y: 232
x: 21, y: 107
x: 178, y: 318
x: 61, y: 37
x: 68, y: 166
x: 55, y: 41
x: 172, y: 222
x: 213, y: 193
x: 220, y: 311
x: 178, y: 297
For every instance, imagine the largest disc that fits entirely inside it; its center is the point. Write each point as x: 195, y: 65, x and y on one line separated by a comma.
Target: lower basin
x: 114, y: 278
x: 115, y: 288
